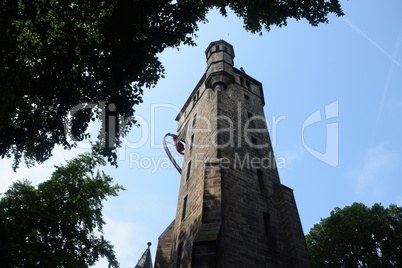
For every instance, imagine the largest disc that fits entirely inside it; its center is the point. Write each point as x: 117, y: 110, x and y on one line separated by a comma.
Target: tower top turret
x: 219, y: 51
x: 220, y: 63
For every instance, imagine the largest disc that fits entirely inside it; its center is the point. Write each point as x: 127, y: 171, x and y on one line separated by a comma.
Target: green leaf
x: 54, y: 224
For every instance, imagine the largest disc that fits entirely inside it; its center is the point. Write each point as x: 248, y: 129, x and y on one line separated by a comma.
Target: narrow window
x: 226, y: 49
x: 247, y: 83
x: 194, y: 119
x: 268, y: 231
x: 217, y: 48
x: 254, y: 140
x: 183, y: 214
x: 241, y: 80
x: 192, y: 141
x: 250, y: 121
x: 188, y: 170
x: 194, y: 99
x: 260, y: 177
x: 267, y: 224
x: 179, y: 253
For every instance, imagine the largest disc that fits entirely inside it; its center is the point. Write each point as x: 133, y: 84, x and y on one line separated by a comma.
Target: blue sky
x: 353, y: 63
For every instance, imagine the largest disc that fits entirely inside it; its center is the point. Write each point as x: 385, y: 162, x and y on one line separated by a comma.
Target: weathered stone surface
x: 237, y: 212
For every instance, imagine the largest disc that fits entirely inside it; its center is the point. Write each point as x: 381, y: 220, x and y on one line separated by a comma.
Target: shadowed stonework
x: 232, y: 210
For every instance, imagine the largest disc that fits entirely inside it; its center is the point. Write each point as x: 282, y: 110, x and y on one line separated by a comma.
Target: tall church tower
x: 232, y: 209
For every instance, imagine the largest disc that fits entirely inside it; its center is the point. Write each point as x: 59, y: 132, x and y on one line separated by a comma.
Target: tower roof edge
x: 214, y: 43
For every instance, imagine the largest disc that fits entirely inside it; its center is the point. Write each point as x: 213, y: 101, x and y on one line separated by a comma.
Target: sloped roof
x: 145, y: 261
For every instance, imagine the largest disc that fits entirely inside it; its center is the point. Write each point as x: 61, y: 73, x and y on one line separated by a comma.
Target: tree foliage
x: 358, y: 236
x: 54, y: 224
x: 55, y: 55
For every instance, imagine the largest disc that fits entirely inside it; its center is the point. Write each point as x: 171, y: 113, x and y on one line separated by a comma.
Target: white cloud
x: 371, y: 175
x: 123, y: 235
x: 286, y: 159
x: 398, y: 201
x: 42, y: 172
x: 359, y: 31
x: 37, y: 173
x: 396, y: 104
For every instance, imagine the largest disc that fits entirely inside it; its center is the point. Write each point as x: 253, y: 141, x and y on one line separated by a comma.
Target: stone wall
x: 232, y: 209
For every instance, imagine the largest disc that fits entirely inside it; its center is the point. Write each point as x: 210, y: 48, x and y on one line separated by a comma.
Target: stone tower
x: 232, y: 209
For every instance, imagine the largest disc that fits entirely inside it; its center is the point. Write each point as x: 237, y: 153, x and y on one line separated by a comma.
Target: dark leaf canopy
x: 358, y: 236
x: 54, y: 224
x: 55, y: 55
